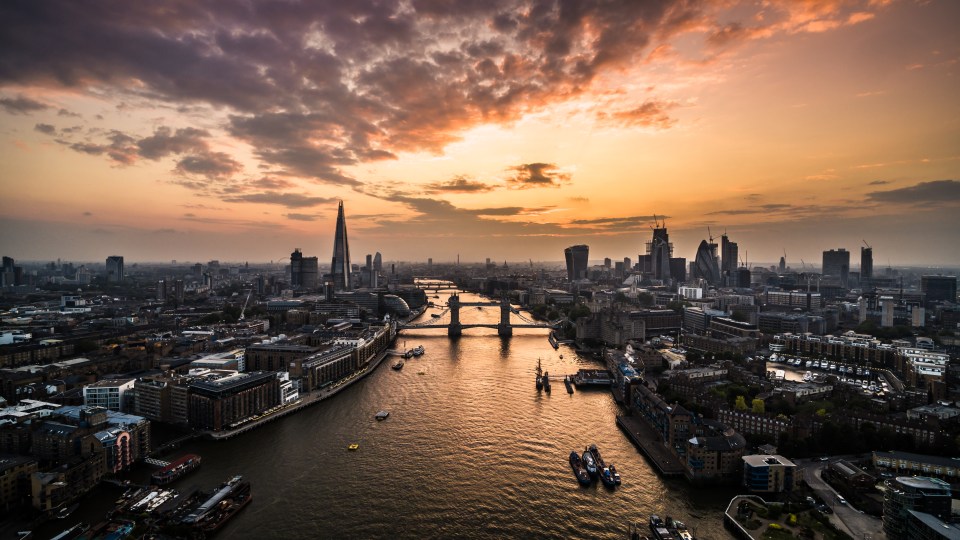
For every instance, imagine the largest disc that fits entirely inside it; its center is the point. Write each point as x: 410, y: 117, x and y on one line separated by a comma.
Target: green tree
x: 645, y: 299
x: 740, y: 404
x: 821, y: 412
x: 758, y: 406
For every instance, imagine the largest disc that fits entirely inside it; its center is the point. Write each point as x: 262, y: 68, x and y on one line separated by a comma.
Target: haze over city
x: 479, y: 129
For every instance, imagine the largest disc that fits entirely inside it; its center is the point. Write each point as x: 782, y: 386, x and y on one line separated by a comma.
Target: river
x: 470, y: 449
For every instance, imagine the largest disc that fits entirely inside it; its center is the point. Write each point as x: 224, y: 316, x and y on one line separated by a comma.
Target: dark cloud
x: 937, y: 191
x: 20, y: 104
x: 290, y: 200
x: 301, y: 217
x: 634, y: 220
x: 533, y: 175
x: 878, y: 182
x: 651, y: 113
x: 165, y: 141
x: 46, y: 129
x: 459, y: 184
x: 87, y: 214
x: 67, y: 113
x: 209, y: 164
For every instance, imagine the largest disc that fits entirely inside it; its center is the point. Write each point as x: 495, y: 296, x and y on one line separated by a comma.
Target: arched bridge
x: 450, y: 319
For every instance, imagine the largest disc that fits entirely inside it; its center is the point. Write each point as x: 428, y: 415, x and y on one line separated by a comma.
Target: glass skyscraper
x: 340, y: 266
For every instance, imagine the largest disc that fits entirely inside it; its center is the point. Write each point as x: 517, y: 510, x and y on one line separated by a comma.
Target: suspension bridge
x: 449, y: 318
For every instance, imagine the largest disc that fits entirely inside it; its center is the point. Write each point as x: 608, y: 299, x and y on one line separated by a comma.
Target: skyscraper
x: 705, y: 264
x: 303, y: 271
x: 340, y: 265
x: 729, y: 253
x: 114, y: 269
x: 836, y: 264
x: 378, y: 262
x: 866, y: 263
x: 576, y: 257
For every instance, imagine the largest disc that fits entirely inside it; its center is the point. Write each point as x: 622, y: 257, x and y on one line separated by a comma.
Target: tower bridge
x: 455, y: 327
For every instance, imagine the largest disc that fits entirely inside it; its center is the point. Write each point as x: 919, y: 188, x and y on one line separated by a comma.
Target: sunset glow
x: 485, y: 129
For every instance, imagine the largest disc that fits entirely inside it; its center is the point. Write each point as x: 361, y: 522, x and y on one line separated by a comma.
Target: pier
x: 649, y: 444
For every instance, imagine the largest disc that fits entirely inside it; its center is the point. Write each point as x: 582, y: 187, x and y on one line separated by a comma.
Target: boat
x: 435, y: 315
x: 233, y: 497
x: 678, y: 530
x: 596, y: 456
x: 398, y: 365
x: 590, y: 464
x: 616, y: 475
x: 553, y: 340
x: 635, y: 532
x: 539, y: 376
x: 546, y: 381
x: 607, y: 477
x: 176, y: 469
x: 353, y: 447
x: 807, y: 377
x: 576, y: 463
x: 382, y: 415
x: 561, y: 357
x: 418, y: 350
x: 568, y: 384
x: 659, y: 528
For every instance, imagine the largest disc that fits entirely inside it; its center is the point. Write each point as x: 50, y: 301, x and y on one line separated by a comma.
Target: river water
x: 471, y: 449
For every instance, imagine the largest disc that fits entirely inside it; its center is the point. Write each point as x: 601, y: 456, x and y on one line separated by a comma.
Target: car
x: 811, y: 501
x: 825, y: 458
x: 825, y: 509
x: 841, y: 500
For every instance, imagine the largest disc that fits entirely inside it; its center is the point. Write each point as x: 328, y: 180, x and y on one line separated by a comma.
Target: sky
x: 480, y: 128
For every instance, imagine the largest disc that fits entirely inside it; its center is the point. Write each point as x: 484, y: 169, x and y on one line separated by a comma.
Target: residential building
x: 109, y: 394
x: 913, y: 493
x: 769, y: 474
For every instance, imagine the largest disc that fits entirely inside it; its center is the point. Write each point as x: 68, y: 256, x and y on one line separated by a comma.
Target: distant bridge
x: 455, y: 327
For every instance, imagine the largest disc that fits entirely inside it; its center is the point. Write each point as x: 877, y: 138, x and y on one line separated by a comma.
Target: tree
x: 645, y: 299
x: 740, y: 404
x: 758, y: 406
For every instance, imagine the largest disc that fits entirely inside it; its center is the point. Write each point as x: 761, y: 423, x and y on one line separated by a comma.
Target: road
x: 845, y: 517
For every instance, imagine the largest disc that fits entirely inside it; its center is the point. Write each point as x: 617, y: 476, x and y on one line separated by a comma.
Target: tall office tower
x: 9, y: 275
x: 296, y: 269
x: 626, y: 263
x: 607, y: 262
x: 836, y: 264
x: 783, y: 265
x: 939, y: 288
x: 729, y: 251
x: 660, y: 250
x: 161, y: 290
x: 866, y: 263
x: 378, y: 263
x: 340, y: 266
x: 705, y: 265
x: 576, y: 257
x: 114, y: 269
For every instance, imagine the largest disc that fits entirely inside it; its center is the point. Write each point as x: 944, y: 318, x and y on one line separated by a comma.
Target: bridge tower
x: 455, y: 328
x: 504, y: 328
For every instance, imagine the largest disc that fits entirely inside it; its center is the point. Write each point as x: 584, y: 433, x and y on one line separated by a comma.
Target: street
x: 845, y: 517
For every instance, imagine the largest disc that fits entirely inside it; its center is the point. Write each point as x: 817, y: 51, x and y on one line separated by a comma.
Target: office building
x: 109, y: 394
x: 114, y: 269
x: 866, y: 263
x: 906, y: 495
x: 769, y: 474
x: 304, y: 271
x: 576, y: 257
x: 939, y: 288
x: 340, y: 265
x: 729, y: 252
x: 836, y: 265
x: 705, y: 265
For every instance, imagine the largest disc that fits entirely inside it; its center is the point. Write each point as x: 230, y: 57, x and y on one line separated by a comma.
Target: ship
x: 607, y: 477
x: 596, y: 456
x: 546, y: 381
x: 398, y: 365
x: 616, y: 475
x: 176, y: 469
x: 568, y: 384
x: 382, y: 415
x: 539, y: 376
x: 590, y: 464
x: 576, y: 463
x: 678, y: 530
x: 418, y: 350
x: 231, y: 497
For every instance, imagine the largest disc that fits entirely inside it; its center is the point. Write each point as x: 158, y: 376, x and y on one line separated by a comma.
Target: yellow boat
x: 353, y: 446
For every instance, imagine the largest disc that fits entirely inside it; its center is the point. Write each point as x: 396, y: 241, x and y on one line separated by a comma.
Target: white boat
x: 807, y: 377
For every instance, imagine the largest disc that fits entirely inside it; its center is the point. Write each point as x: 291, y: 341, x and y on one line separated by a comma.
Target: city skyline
x: 490, y: 130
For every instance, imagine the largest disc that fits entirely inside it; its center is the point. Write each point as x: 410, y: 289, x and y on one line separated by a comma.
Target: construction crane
x: 709, y: 234
x: 245, y: 302
x: 868, y: 245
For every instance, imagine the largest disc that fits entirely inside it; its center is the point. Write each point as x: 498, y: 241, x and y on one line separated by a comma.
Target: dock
x: 649, y: 444
x: 593, y: 377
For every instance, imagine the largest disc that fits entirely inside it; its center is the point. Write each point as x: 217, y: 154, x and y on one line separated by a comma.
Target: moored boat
x: 382, y: 415
x: 568, y: 384
x: 539, y: 376
x: 546, y: 381
x: 596, y: 456
x: 576, y: 463
x: 176, y: 469
x: 398, y: 365
x: 607, y: 477
x: 590, y: 464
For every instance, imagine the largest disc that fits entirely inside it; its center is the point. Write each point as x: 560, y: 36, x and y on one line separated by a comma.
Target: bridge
x: 455, y: 327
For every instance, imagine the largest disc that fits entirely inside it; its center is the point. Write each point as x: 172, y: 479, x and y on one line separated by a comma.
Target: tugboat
x: 607, y: 478
x: 568, y: 384
x: 419, y: 350
x: 382, y: 415
x: 399, y: 365
x: 590, y: 464
x: 546, y: 381
x: 539, y: 376
x: 579, y: 470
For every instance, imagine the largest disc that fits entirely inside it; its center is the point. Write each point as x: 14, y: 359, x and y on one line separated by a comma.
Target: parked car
x: 841, y: 500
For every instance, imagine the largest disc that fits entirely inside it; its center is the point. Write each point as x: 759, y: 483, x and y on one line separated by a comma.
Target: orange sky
x: 488, y: 129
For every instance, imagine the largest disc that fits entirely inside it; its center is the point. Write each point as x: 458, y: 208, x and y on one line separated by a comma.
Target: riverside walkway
x: 646, y: 439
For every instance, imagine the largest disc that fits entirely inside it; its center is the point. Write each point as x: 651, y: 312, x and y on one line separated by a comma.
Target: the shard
x: 340, y: 266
